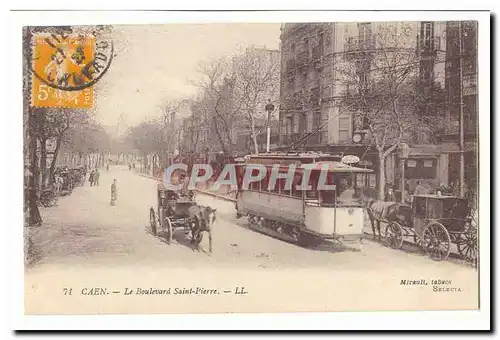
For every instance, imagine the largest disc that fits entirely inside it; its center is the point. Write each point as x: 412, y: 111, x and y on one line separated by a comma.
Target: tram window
x: 255, y: 185
x: 328, y: 196
x: 346, y: 194
x: 274, y: 188
x: 313, y: 183
x: 282, y: 188
x: 280, y: 185
x: 296, y: 182
x: 264, y: 183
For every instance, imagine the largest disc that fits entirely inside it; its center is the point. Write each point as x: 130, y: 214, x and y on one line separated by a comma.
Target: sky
x: 154, y: 62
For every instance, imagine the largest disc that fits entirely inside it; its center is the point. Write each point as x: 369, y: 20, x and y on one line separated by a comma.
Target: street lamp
x: 404, y: 152
x: 269, y: 109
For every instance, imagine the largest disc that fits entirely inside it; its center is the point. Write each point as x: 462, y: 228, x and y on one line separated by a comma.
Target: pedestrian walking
x: 58, y: 183
x: 91, y: 178
x: 96, y: 177
x: 107, y: 167
x: 114, y: 192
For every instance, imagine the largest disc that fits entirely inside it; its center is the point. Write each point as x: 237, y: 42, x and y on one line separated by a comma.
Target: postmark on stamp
x: 66, y: 64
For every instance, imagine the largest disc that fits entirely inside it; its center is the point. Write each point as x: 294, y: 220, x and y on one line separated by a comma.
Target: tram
x: 301, y: 213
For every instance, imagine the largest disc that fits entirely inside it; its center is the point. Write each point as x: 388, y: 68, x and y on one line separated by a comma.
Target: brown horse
x: 380, y: 211
x: 203, y: 220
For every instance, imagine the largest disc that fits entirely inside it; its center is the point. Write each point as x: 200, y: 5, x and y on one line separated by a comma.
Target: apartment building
x: 467, y: 30
x: 313, y: 94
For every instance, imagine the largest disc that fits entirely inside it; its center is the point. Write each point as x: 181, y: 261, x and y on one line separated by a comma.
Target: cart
x: 68, y: 182
x: 77, y: 176
x: 437, y: 222
x: 172, y: 213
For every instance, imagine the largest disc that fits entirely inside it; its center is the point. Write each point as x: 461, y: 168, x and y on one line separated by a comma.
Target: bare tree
x: 56, y: 125
x: 147, y: 137
x: 193, y: 128
x: 384, y: 90
x: 85, y: 137
x: 171, y: 128
x: 218, y: 85
x: 257, y: 74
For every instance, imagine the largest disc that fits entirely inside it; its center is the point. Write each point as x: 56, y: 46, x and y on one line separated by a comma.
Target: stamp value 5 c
x: 58, y: 62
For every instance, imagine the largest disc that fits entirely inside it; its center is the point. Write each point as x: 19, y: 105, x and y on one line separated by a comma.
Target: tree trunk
x: 145, y: 162
x: 219, y: 136
x: 43, y: 162
x: 381, y: 175
x: 255, y: 144
x: 54, y: 160
x: 34, y: 215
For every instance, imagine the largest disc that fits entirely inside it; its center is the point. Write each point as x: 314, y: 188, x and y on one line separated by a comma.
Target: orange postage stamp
x: 65, y: 66
x: 60, y: 61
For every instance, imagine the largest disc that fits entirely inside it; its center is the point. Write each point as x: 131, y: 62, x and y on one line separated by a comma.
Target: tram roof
x: 339, y: 167
x: 293, y: 155
x: 330, y: 166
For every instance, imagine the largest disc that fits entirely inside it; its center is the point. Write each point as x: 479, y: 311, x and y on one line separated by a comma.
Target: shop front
x: 426, y: 165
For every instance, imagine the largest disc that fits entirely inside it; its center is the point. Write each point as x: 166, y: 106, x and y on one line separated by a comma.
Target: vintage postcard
x: 327, y: 165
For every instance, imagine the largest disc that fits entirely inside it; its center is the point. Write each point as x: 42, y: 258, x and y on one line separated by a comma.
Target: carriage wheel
x: 436, y: 241
x: 467, y: 244
x: 167, y: 229
x: 152, y: 220
x: 394, y: 235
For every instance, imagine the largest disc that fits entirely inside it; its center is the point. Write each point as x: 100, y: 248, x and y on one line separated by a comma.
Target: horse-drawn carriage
x: 177, y: 209
x: 67, y: 180
x: 77, y: 175
x: 435, y: 222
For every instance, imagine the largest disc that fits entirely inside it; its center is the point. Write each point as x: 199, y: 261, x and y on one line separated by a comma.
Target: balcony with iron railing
x: 315, y: 99
x: 360, y: 44
x: 317, y: 53
x: 469, y: 84
x: 290, y: 66
x: 303, y: 59
x: 429, y: 44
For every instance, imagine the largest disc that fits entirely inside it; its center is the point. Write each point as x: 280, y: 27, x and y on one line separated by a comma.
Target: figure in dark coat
x: 114, y: 192
x: 96, y: 177
x: 91, y: 178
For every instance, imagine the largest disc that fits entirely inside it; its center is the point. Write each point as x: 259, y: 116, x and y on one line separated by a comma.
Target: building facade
x: 313, y: 91
x: 469, y: 100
